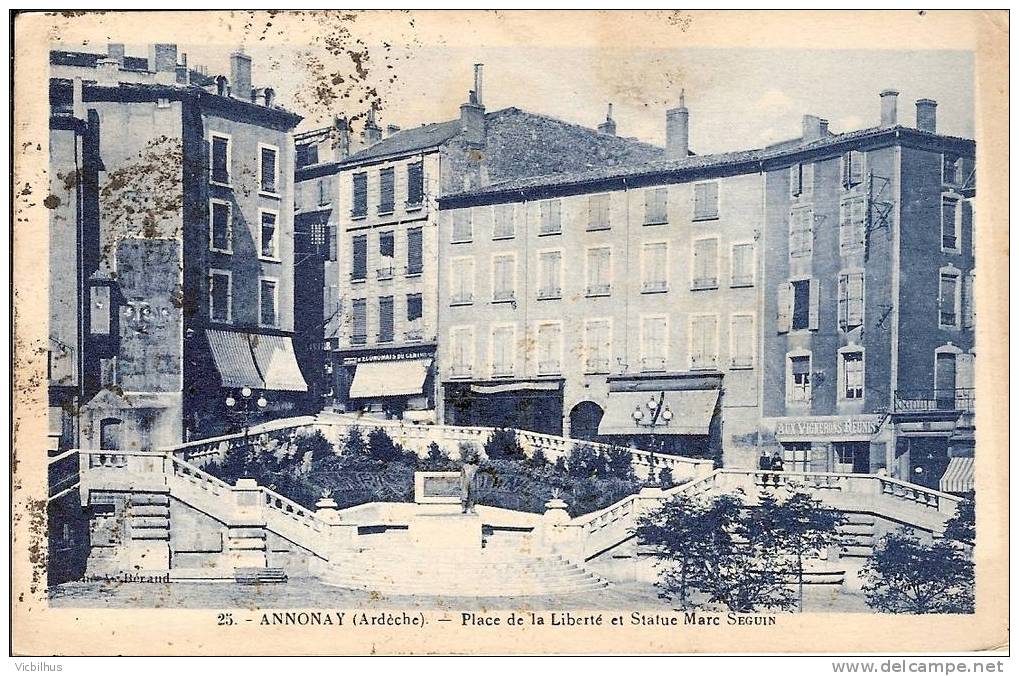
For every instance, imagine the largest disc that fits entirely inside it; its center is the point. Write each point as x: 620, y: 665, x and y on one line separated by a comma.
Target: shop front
x: 534, y: 405
x: 396, y: 383
x: 846, y: 444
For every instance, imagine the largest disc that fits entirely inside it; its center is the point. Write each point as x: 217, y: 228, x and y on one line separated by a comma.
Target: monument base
x: 446, y: 531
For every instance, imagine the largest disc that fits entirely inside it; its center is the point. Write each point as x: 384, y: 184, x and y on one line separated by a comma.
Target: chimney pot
x: 477, y: 82
x: 889, y: 107
x: 472, y: 113
x: 609, y: 125
x: 240, y: 75
x: 927, y: 115
x: 677, y: 130
x: 163, y: 58
x: 371, y: 133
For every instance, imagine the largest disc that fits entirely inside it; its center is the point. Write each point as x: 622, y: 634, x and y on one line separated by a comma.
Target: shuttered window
x: 705, y: 201
x: 387, y: 194
x: 386, y: 252
x: 948, y: 299
x: 851, y: 374
x: 703, y: 341
x: 598, y: 216
x: 549, y: 274
x: 801, y: 233
x: 950, y: 224
x: 852, y: 169
x: 503, y: 226
x: 742, y: 340
x: 743, y: 264
x: 461, y: 281
x: 360, y: 196
x: 462, y: 230
x: 852, y: 226
x: 654, y: 343
x: 851, y: 300
x: 386, y: 319
x: 461, y: 351
x: 968, y: 311
x: 268, y: 169
x: 655, y: 267
x: 549, y: 348
x: 798, y: 305
x: 220, y: 159
x: 359, y: 252
x: 551, y: 217
x: 415, y: 183
x: 220, y: 233
x: 798, y: 379
x: 503, y: 277
x: 220, y: 296
x: 597, y: 346
x: 503, y: 350
x: 359, y: 317
x: 415, y: 258
x: 414, y: 317
x: 267, y: 302
x: 656, y: 206
x: 705, y: 264
x: 268, y: 235
x: 599, y: 271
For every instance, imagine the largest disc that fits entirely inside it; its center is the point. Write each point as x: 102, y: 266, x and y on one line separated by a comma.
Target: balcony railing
x: 502, y: 370
x: 385, y: 273
x: 954, y: 399
x: 549, y: 293
x: 599, y: 289
x: 460, y: 371
x: 705, y: 283
x: 657, y: 286
x: 461, y: 299
x: 359, y: 339
x: 414, y: 334
x: 652, y: 364
x: 548, y: 368
x: 503, y: 296
x: 596, y: 366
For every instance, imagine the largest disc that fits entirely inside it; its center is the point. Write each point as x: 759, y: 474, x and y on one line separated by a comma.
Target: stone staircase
x: 259, y: 575
x: 437, y: 572
x: 857, y: 537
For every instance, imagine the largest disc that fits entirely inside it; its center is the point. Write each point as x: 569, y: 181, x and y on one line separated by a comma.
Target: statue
x: 469, y: 456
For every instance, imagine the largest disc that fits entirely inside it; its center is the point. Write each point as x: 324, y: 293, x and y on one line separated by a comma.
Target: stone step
x: 488, y: 589
x: 259, y: 575
x: 857, y: 551
x: 857, y: 540
x: 857, y: 529
x: 856, y: 518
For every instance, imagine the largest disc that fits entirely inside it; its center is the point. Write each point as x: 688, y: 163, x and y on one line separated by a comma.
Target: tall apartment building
x: 174, y: 208
x: 375, y: 200
x: 783, y: 299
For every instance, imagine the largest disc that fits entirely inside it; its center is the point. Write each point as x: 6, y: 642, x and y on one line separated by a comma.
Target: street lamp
x: 247, y: 406
x: 658, y: 415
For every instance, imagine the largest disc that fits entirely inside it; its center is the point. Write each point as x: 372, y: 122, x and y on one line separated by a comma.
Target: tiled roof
x: 693, y: 162
x: 88, y: 60
x: 408, y: 141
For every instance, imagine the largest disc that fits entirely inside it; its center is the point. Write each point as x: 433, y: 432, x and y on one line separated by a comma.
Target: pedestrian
x: 764, y: 462
x: 777, y: 465
x: 467, y: 473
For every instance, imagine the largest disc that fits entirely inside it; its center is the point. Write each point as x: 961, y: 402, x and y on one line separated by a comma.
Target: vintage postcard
x: 432, y: 332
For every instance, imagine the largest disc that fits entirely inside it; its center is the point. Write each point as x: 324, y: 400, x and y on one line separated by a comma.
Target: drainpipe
x: 626, y: 277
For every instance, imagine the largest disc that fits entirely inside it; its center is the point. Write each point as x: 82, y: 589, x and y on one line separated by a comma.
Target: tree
x: 502, y: 445
x: 381, y: 446
x: 316, y: 444
x: 354, y: 444
x: 799, y: 524
x: 665, y: 479
x: 619, y: 463
x: 437, y: 460
x: 538, y: 458
x: 906, y: 575
x: 963, y: 526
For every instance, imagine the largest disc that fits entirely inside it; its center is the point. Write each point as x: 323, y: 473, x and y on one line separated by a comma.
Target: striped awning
x: 958, y: 477
x: 276, y: 361
x: 234, y: 360
x: 393, y: 378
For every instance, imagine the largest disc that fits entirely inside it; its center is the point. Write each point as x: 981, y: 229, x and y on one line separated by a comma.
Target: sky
x: 738, y: 98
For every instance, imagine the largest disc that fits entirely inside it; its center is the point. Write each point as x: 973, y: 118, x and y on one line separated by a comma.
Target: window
x: 220, y: 159
x: 656, y: 206
x: 798, y: 305
x: 703, y: 341
x: 705, y: 201
x: 462, y: 229
x: 268, y: 302
x: 796, y: 456
x: 968, y: 311
x: 415, y: 184
x: 268, y: 241
x: 852, y: 169
x: 550, y: 348
x: 100, y: 316
x: 220, y: 296
x: 654, y: 264
x: 801, y: 233
x: 387, y: 192
x: 598, y: 215
x: 461, y: 347
x: 950, y: 213
x: 359, y: 317
x: 549, y: 269
x: 850, y: 300
x: 268, y: 169
x: 952, y: 170
x: 323, y: 192
x: 851, y: 374
x: 360, y: 197
x: 386, y: 255
x: 798, y: 379
x: 801, y: 180
x: 597, y: 345
x: 462, y: 281
x: 599, y: 271
x: 705, y: 264
x: 503, y: 350
x: 359, y: 251
x: 503, y: 226
x: 220, y: 226
x: 654, y: 343
x: 743, y: 264
x: 551, y: 217
x: 386, y: 319
x: 415, y: 331
x: 504, y: 278
x: 415, y: 255
x: 741, y: 339
x: 948, y: 299
x: 852, y: 226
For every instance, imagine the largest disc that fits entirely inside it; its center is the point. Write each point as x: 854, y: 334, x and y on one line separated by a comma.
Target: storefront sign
x: 834, y: 427
x: 388, y: 356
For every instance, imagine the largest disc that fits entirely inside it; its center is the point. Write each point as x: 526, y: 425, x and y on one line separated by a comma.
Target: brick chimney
x: 812, y: 128
x: 927, y: 115
x: 341, y: 138
x: 240, y: 76
x: 609, y: 125
x: 472, y: 113
x: 889, y: 108
x: 183, y: 74
x: 115, y: 50
x: 677, y: 130
x: 372, y: 132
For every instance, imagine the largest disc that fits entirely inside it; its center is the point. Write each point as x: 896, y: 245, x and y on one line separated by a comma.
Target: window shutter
x: 796, y: 180
x: 807, y: 178
x: 414, y: 253
x: 415, y: 183
x: 360, y: 262
x: 964, y: 373
x: 855, y: 167
x: 843, y: 302
x: 968, y: 313
x: 854, y: 299
x: 785, y: 297
x: 815, y: 308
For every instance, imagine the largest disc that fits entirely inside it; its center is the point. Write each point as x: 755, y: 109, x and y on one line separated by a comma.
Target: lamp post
x: 246, y: 405
x: 658, y: 415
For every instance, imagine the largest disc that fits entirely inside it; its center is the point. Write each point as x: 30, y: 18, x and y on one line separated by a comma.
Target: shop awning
x: 534, y: 385
x: 691, y: 412
x: 394, y: 378
x: 958, y: 477
x: 234, y: 360
x: 275, y: 358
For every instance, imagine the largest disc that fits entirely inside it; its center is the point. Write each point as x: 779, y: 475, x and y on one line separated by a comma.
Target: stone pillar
x: 558, y: 535
x: 148, y: 548
x: 245, y: 537
x: 339, y: 536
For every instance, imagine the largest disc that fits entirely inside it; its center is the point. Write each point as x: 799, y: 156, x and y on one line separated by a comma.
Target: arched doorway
x: 584, y: 420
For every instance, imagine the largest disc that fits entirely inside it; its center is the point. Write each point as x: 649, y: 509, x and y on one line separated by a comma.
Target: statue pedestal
x: 446, y: 531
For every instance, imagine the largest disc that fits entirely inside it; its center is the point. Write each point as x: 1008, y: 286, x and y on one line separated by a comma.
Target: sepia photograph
x: 418, y: 321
